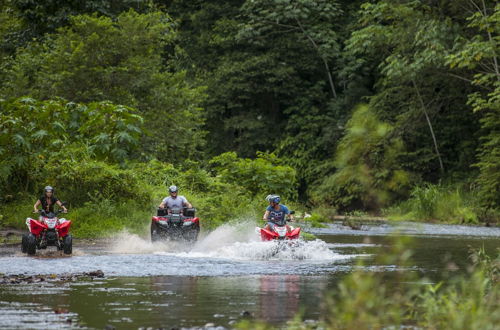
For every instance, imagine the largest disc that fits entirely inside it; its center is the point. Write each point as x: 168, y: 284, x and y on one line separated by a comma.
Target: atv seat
x: 187, y: 212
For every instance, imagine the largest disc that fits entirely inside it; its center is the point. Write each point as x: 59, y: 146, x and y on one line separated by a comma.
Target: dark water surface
x: 222, y: 279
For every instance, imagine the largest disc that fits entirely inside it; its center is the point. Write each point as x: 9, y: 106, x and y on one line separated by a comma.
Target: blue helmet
x: 273, y: 199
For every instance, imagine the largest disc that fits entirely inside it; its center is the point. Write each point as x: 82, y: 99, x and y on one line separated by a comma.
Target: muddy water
x: 227, y: 276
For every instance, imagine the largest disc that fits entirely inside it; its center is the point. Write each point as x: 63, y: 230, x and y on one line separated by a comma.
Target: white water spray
x: 233, y: 241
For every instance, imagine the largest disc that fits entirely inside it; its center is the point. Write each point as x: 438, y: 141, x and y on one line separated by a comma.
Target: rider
x: 47, y: 200
x: 275, y: 212
x: 174, y: 201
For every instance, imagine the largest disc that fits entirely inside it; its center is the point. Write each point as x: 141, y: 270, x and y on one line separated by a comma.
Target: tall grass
x: 438, y: 203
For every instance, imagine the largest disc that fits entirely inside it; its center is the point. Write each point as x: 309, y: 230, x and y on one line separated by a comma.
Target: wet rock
x: 246, y: 314
x: 97, y: 273
x: 23, y: 279
x: 61, y: 311
x: 109, y: 327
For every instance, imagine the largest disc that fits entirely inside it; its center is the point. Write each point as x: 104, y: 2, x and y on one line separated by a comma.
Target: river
x: 227, y: 276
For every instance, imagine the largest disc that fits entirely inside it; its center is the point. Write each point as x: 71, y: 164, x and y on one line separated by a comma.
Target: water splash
x: 127, y: 243
x: 233, y: 241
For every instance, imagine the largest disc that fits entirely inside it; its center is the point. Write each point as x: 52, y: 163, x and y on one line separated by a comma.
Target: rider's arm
x: 288, y: 214
x: 266, y: 216
x: 163, y: 203
x: 186, y: 203
x: 61, y: 205
x: 37, y: 204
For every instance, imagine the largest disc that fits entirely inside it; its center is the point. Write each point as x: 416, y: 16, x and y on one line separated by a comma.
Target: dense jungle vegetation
x: 387, y: 107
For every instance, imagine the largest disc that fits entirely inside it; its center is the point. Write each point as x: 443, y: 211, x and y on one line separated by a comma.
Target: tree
x: 309, y: 21
x: 411, y: 41
x: 131, y: 61
x: 368, y: 172
x: 32, y: 131
x: 478, y: 51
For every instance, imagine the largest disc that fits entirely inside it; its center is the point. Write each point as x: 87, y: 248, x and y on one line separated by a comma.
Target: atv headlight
x: 187, y: 223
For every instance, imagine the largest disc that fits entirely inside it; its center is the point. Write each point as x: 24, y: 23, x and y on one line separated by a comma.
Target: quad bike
x: 48, y: 230
x: 175, y: 224
x: 280, y: 231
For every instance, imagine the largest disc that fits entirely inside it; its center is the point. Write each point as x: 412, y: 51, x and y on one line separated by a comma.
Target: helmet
x: 172, y: 189
x: 48, y: 188
x: 273, y: 199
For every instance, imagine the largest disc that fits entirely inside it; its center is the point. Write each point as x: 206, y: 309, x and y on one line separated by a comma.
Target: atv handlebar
x: 41, y: 212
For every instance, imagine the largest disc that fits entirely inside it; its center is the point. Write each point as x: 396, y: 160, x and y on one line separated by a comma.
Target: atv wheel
x: 155, y: 237
x: 191, y: 235
x: 68, y: 244
x: 31, y: 244
x: 24, y: 243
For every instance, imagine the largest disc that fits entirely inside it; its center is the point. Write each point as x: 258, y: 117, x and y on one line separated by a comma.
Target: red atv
x: 175, y: 224
x: 48, y: 230
x: 279, y: 231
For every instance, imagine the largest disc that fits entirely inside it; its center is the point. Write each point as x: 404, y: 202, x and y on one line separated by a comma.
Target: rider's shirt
x: 174, y: 203
x: 277, y: 215
x: 48, y: 203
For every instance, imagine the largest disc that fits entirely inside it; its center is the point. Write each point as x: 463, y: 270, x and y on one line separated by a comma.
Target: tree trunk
x: 430, y: 126
x: 325, y: 62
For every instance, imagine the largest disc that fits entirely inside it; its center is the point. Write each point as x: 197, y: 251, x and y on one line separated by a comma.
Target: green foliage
x: 439, y: 203
x: 368, y: 172
x: 263, y: 175
x: 33, y: 132
x: 479, y: 52
x: 86, y: 180
x: 124, y: 61
x: 46, y: 16
x: 315, y: 220
x: 258, y: 76
x: 10, y: 27
x: 105, y: 218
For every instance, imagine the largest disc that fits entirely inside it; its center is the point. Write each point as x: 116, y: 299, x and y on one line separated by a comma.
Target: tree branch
x: 325, y: 62
x: 430, y: 126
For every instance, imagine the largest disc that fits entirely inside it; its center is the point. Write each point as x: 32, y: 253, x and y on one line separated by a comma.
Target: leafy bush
x: 104, y: 218
x: 127, y: 60
x: 264, y: 175
x: 435, y: 202
x: 35, y: 132
x: 316, y: 220
x: 155, y: 172
x: 368, y: 173
x: 84, y: 180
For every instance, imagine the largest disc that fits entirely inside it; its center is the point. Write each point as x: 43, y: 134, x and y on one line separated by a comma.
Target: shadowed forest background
x: 386, y: 107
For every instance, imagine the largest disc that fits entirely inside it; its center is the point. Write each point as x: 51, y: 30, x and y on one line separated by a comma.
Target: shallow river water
x: 226, y: 276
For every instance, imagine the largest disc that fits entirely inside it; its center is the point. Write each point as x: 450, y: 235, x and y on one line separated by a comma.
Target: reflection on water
x: 164, y: 301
